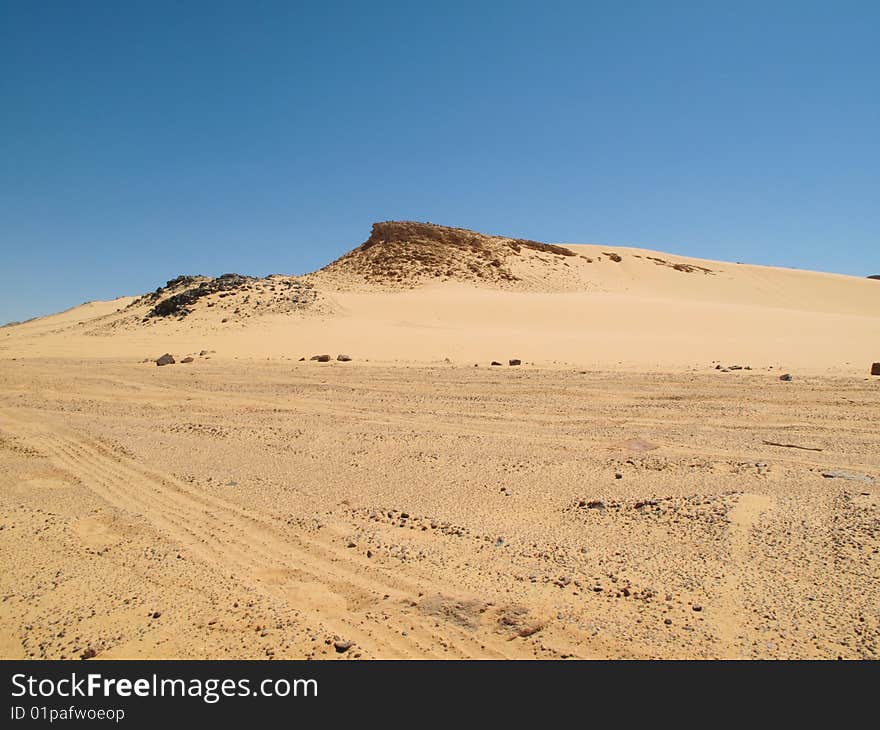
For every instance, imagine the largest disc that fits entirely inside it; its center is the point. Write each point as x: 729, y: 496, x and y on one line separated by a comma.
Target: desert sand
x: 642, y: 485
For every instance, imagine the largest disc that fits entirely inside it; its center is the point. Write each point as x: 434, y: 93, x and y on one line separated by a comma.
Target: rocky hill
x: 406, y: 254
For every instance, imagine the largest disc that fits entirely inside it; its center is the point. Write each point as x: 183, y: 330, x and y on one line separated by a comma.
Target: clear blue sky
x: 141, y: 140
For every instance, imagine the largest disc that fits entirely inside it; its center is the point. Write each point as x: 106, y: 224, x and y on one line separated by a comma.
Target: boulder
x: 166, y: 359
x: 514, y: 362
x: 320, y: 358
x: 875, y: 368
x: 343, y: 358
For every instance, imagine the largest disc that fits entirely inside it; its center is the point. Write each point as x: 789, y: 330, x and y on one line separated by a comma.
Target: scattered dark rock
x: 166, y: 359
x: 342, y: 646
x: 786, y: 377
x: 302, y: 359
x: 514, y: 362
x: 667, y: 621
x: 179, y: 305
x: 343, y: 358
x: 320, y: 358
x: 697, y: 607
x: 88, y: 654
x: 848, y: 476
x: 495, y: 362
x: 875, y: 368
x: 156, y: 614
x: 203, y: 353
x: 187, y: 359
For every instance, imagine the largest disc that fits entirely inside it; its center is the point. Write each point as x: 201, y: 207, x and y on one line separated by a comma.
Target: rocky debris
x: 875, y: 368
x: 848, y: 475
x: 409, y: 253
x: 786, y: 377
x: 615, y: 257
x: 203, y: 353
x: 88, y: 654
x: 166, y: 359
x: 592, y: 504
x: 496, y: 363
x: 694, y: 507
x: 187, y: 359
x: 516, y: 621
x: 180, y: 303
x: 342, y: 646
x: 320, y: 358
x: 686, y: 268
x: 343, y: 358
x: 514, y: 362
x: 245, y: 296
x: 465, y: 613
x: 791, y: 446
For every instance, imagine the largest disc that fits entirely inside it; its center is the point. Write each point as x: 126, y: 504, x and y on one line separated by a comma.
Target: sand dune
x: 595, y: 306
x: 614, y: 496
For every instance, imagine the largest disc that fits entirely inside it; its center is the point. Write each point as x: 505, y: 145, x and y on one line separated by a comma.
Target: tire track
x: 308, y: 577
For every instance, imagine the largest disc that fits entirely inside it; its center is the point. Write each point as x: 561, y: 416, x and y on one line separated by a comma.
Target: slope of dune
x: 420, y: 292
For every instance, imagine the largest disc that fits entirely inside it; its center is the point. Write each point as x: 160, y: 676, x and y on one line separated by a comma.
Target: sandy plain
x: 617, y: 495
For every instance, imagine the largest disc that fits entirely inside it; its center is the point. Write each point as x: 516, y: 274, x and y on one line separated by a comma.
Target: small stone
x: 785, y: 378
x: 514, y: 362
x: 343, y: 358
x: 496, y: 363
x: 320, y: 358
x: 187, y: 359
x: 667, y: 621
x: 697, y: 607
x: 166, y: 359
x: 342, y: 646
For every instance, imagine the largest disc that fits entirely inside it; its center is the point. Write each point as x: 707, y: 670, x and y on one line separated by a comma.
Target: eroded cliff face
x: 408, y: 253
